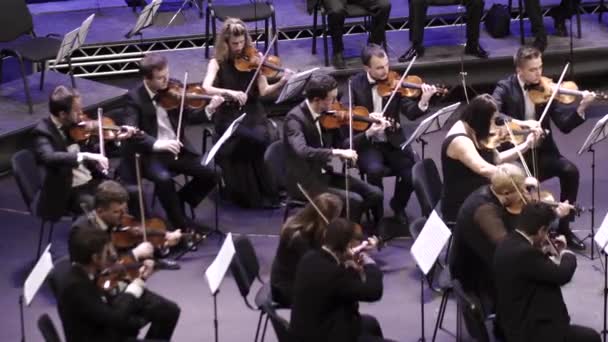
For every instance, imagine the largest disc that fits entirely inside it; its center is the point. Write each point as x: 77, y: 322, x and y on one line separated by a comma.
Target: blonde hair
x: 308, y: 223
x: 233, y: 27
x: 507, y: 177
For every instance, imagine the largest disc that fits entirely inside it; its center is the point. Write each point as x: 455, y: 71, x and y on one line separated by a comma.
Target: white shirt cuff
x: 79, y: 157
x: 208, y: 113
x: 423, y: 106
x: 136, y: 288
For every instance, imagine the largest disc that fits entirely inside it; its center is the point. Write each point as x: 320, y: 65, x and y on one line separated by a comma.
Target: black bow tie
x: 531, y: 86
x: 372, y: 82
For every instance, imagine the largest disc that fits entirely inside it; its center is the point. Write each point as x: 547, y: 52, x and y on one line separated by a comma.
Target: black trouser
x: 370, y: 330
x: 418, y: 10
x: 161, y: 313
x: 158, y: 168
x: 336, y: 13
x: 361, y: 196
x: 578, y: 333
x: 564, y: 11
x: 375, y: 157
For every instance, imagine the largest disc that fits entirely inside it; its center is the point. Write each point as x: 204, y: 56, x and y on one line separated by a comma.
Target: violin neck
x: 273, y: 67
x: 573, y: 92
x: 411, y: 85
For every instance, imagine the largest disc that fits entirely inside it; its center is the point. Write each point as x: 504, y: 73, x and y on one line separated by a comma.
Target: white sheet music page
x: 217, y: 270
x: 430, y: 242
x: 38, y: 275
x: 601, y: 237
x: 222, y: 139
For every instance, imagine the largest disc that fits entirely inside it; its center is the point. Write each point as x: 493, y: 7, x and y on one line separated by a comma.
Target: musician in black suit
x: 382, y: 148
x: 159, y: 146
x: 511, y: 95
x: 72, y: 171
x: 327, y: 290
x: 309, y: 148
x: 530, y: 303
x: 336, y: 9
x: 560, y: 13
x: 89, y: 314
x: 418, y: 8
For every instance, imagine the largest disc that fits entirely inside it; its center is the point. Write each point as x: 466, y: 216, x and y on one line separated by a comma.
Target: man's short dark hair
x: 534, y: 216
x: 84, y: 242
x: 109, y: 192
x: 62, y: 100
x: 525, y: 53
x: 339, y: 233
x: 319, y: 86
x: 371, y: 50
x: 478, y: 114
x: 150, y: 63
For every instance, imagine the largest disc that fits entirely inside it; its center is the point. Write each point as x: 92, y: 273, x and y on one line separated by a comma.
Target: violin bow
x: 102, y: 147
x: 181, y: 112
x: 257, y: 70
x: 312, y: 203
x: 399, y: 85
x: 350, y: 146
x: 519, y: 154
x: 140, y: 196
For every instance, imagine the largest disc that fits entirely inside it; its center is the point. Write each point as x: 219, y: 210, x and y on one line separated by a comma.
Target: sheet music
x: 145, y: 17
x: 66, y: 45
x: 295, y: 81
x: 217, y: 270
x: 38, y: 275
x: 430, y: 242
x: 601, y: 237
x: 597, y: 134
x: 223, y: 138
x: 433, y: 123
x: 84, y: 29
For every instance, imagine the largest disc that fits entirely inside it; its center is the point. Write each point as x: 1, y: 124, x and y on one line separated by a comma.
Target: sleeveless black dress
x: 458, y: 180
x: 247, y: 182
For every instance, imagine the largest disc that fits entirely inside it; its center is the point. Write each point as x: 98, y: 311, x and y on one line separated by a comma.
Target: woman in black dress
x: 466, y: 163
x: 242, y: 157
x: 300, y: 233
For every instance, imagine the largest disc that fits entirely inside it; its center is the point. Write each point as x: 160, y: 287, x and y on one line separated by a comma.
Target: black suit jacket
x: 51, y: 151
x: 86, y: 314
x: 362, y: 96
x: 510, y: 99
x: 305, y: 156
x: 530, y: 302
x: 326, y: 297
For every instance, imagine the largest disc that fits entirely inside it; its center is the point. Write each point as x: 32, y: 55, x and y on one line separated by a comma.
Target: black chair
x: 248, y: 12
x: 427, y: 185
x: 15, y: 22
x: 350, y: 10
x: 470, y: 309
x: 274, y: 159
x: 279, y: 324
x: 245, y: 268
x: 521, y: 9
x: 56, y: 279
x: 47, y: 329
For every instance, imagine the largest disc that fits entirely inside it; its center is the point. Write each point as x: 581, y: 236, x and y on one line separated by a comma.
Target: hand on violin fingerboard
x: 345, y: 154
x: 427, y: 92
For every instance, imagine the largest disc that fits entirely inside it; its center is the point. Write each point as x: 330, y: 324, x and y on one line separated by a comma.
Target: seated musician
x: 530, y: 305
x: 247, y: 182
x: 90, y: 314
x: 513, y: 98
x: 328, y: 286
x: 382, y: 148
x: 72, y: 171
x: 108, y: 213
x: 560, y: 14
x: 484, y: 219
x: 468, y: 157
x: 309, y: 149
x: 380, y: 11
x: 301, y: 233
x: 159, y: 146
x: 418, y: 8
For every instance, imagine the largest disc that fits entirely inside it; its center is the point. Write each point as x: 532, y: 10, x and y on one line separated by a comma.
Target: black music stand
x: 144, y: 20
x: 181, y: 9
x: 597, y: 134
x: 601, y: 238
x: 32, y: 284
x: 295, y: 85
x: 432, y: 124
x: 72, y: 41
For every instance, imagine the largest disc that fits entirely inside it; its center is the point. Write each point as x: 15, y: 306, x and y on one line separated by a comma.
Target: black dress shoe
x: 338, y: 61
x: 417, y: 51
x: 400, y: 215
x: 575, y: 243
x: 540, y: 44
x: 560, y: 28
x: 475, y: 50
x: 166, y: 264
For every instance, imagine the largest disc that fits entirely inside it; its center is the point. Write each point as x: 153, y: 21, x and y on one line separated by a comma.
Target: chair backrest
x: 244, y: 267
x: 443, y: 2
x: 56, y: 279
x: 47, y: 328
x: 279, y: 324
x: 416, y: 227
x: 27, y: 175
x: 427, y: 185
x: 472, y: 312
x: 15, y: 20
x: 274, y: 158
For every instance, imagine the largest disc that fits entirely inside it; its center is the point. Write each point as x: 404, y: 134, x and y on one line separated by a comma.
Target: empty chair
x: 274, y: 159
x: 47, y: 329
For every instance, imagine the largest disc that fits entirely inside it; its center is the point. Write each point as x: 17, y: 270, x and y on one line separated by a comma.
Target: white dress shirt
x: 165, y: 129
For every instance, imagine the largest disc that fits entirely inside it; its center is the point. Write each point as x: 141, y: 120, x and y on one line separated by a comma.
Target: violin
x: 566, y: 94
x: 249, y: 60
x: 86, y: 127
x: 125, y: 269
x: 410, y: 87
x: 543, y: 196
x: 171, y: 97
x: 500, y: 135
x: 337, y: 116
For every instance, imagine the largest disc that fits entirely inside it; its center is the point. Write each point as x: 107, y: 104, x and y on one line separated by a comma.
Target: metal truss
x: 121, y: 58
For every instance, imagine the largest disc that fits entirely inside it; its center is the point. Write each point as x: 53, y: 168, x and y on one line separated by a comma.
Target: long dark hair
x: 478, y: 115
x: 308, y: 223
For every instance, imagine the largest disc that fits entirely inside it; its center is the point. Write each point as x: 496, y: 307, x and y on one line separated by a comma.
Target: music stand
x: 72, y: 41
x: 181, y: 9
x: 425, y: 250
x: 601, y: 238
x: 295, y: 85
x: 432, y: 124
x: 597, y: 134
x: 144, y: 20
x: 34, y: 280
